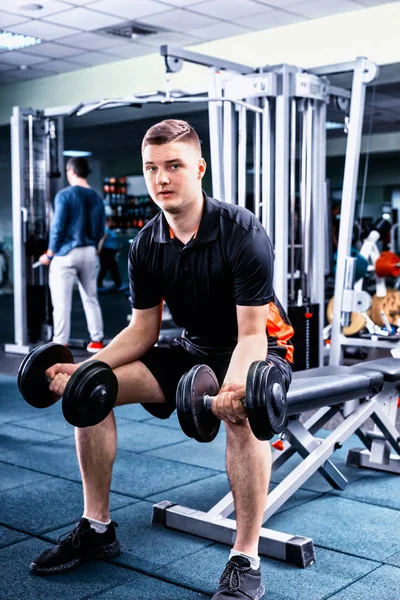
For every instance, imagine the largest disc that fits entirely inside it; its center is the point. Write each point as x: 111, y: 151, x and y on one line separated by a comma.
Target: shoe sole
x: 109, y: 551
x: 260, y: 593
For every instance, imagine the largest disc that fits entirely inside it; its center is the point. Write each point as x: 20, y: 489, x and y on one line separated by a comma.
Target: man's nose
x: 162, y: 177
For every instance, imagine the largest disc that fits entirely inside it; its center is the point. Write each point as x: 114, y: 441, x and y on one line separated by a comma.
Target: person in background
x: 108, y: 249
x: 76, y: 230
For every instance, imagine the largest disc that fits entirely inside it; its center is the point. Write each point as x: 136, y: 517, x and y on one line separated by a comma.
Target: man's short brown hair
x: 171, y: 130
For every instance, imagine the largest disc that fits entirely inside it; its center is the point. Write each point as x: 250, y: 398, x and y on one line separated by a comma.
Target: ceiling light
x: 76, y: 153
x: 31, y: 6
x: 16, y: 41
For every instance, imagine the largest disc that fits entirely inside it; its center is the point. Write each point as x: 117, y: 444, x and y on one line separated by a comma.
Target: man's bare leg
x: 248, y: 462
x: 97, y: 446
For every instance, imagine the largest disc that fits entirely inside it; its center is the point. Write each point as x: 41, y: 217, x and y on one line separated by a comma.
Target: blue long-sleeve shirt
x: 79, y: 219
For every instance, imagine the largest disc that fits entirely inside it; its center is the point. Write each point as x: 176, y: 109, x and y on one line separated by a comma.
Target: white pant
x: 80, y: 263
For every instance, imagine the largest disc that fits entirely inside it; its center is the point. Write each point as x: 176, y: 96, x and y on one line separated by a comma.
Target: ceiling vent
x: 130, y: 31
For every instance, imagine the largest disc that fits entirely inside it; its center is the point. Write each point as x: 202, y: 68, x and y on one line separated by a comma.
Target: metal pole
x: 282, y: 186
x: 292, y: 196
x: 229, y: 152
x: 364, y: 72
x: 267, y: 208
x: 319, y: 218
x: 31, y: 166
x: 242, y: 155
x: 308, y: 217
x: 20, y: 216
x: 216, y: 133
x: 256, y: 163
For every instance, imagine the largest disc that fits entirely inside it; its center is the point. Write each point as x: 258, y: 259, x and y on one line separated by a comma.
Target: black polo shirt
x: 228, y: 263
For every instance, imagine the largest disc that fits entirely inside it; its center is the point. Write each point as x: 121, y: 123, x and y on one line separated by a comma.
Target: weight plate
x: 184, y: 414
x: 202, y: 380
x: 265, y: 400
x: 31, y: 378
x: 90, y: 394
x: 196, y: 421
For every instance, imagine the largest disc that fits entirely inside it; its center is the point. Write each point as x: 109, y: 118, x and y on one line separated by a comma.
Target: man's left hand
x: 227, y: 404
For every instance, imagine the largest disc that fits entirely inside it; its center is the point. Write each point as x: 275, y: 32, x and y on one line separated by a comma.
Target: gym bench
x: 366, y: 390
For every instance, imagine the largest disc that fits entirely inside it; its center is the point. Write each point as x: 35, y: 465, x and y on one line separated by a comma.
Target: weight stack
x: 39, y: 309
x: 305, y: 321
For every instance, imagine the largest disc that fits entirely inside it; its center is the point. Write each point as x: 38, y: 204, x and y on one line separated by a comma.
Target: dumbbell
x: 265, y: 402
x: 90, y: 393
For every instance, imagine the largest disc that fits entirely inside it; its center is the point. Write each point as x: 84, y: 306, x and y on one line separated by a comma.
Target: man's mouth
x: 165, y: 192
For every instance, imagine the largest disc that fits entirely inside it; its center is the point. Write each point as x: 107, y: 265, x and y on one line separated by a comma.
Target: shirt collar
x: 208, y: 228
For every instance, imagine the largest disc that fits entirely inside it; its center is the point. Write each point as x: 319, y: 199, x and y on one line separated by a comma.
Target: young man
x: 212, y: 262
x: 76, y: 230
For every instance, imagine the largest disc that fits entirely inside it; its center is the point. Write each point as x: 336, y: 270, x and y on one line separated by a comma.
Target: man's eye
x: 175, y: 166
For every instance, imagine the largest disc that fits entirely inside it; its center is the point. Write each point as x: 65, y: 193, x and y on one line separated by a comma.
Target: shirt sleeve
x: 57, y: 230
x: 253, y: 269
x: 144, y: 290
x: 101, y: 222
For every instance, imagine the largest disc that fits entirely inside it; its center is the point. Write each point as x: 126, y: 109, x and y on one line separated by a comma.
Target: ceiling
x: 73, y: 31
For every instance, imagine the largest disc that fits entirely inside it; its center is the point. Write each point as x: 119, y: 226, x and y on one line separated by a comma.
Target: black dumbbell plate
x: 265, y: 400
x: 195, y: 420
x: 90, y: 394
x: 31, y: 378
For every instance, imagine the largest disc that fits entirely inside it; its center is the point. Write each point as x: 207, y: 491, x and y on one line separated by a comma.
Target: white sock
x: 254, y: 560
x: 98, y: 526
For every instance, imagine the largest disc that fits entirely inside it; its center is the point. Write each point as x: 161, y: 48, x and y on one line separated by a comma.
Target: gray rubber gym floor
x: 355, y: 532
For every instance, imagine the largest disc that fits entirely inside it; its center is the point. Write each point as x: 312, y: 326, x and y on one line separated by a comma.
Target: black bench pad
x: 388, y: 366
x: 327, y: 386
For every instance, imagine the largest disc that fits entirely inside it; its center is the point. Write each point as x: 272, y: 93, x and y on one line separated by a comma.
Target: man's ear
x: 202, y: 168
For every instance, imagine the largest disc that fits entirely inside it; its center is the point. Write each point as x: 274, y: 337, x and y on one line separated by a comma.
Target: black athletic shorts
x: 168, y: 363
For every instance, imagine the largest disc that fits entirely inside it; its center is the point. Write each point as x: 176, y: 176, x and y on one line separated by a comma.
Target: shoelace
x: 75, y: 534
x: 232, y: 575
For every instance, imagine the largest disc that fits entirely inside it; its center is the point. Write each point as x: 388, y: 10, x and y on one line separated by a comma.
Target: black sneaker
x: 239, y: 581
x: 82, y: 543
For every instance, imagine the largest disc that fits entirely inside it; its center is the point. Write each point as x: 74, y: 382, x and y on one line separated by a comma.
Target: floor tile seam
x: 14, y: 543
x: 33, y: 444
x: 394, y: 554
x: 157, y: 448
x: 78, y: 481
x: 112, y: 587
x: 41, y: 472
x: 338, y: 551
x: 174, y: 488
x: 147, y: 453
x: 361, y: 501
x: 18, y: 424
x: 282, y: 510
x: 338, y: 495
x: 154, y: 574
x: 344, y: 587
x: 148, y: 498
x: 40, y: 534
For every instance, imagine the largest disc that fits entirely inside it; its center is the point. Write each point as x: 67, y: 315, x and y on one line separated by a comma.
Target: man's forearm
x: 249, y: 349
x: 129, y: 345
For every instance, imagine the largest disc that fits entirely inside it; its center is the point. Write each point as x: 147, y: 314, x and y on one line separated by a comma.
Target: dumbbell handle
x: 276, y: 392
x: 209, y: 399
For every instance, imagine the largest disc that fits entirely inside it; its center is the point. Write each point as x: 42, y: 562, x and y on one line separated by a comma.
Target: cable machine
x: 36, y: 152
x: 268, y: 154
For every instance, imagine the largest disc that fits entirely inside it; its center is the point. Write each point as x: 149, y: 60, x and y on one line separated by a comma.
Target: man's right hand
x: 59, y: 375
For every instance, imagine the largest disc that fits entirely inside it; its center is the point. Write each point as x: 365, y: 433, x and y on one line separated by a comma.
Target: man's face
x: 173, y: 174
